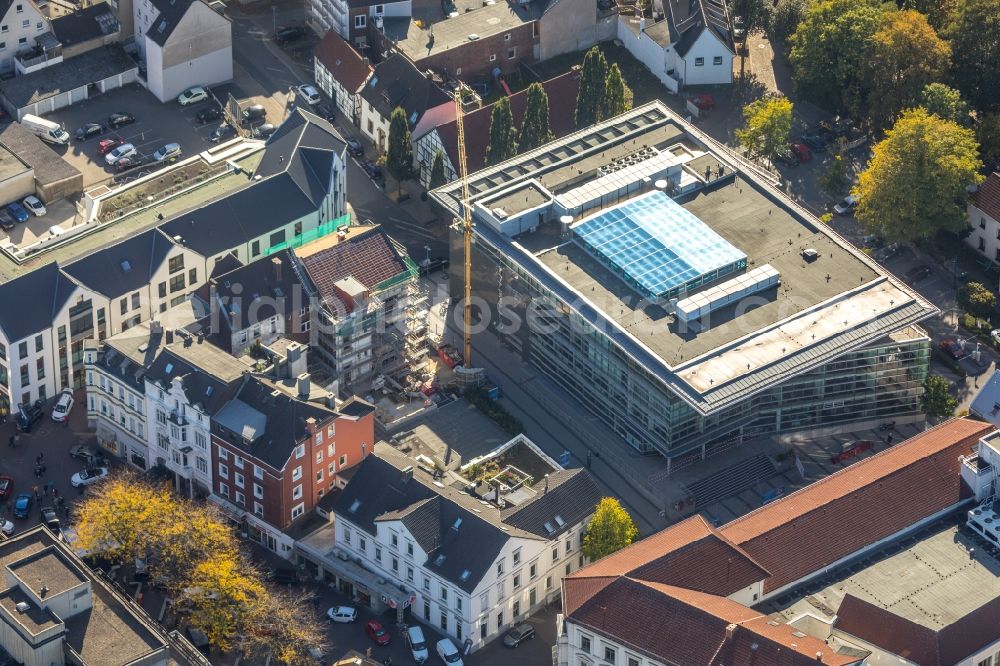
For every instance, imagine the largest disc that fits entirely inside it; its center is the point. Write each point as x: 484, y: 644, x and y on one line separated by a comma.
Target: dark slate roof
x: 397, y: 82
x: 345, y: 64
x: 224, y: 265
x: 304, y: 148
x: 688, y: 18
x: 124, y: 267
x: 29, y: 303
x: 261, y: 279
x: 170, y: 14
x: 95, y: 65
x: 84, y: 24
x: 432, y: 513
x: 203, y: 385
x: 357, y: 408
x: 572, y: 495
x: 256, y: 209
x: 285, y: 425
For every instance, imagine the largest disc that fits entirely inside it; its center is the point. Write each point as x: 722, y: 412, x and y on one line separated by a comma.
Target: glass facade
x: 881, y: 380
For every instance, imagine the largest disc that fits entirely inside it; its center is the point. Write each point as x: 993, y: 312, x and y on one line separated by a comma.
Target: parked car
x: 846, y: 205
x: 29, y: 415
x: 120, y: 119
x: 22, y: 505
x: 325, y: 111
x: 7, y: 527
x: 289, y: 34
x: 815, y: 142
x: 283, y: 576
x: 373, y: 170
x: 222, y: 132
x: 449, y: 653
x: 787, y: 157
x: 428, y: 266
x: 105, y: 146
x: 377, y: 632
x: 518, y: 635
x: 89, y: 476
x: 342, y: 614
x: 801, y: 151
x: 888, y: 252
x: 418, y: 646
x: 6, y: 486
x: 62, y: 409
x: 209, y: 114
x: 35, y: 205
x: 126, y: 163
x: 7, y: 222
x: 17, y: 211
x: 919, y: 273
x: 89, y: 131
x: 254, y: 112
x: 995, y: 334
x: 309, y: 93
x: 952, y: 348
x: 89, y: 455
x: 872, y: 241
x: 264, y: 131
x: 50, y: 518
x: 355, y: 148
x: 169, y: 151
x: 192, y: 95
x: 124, y: 150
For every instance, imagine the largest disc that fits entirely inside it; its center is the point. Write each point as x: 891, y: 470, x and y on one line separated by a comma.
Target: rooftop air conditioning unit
x: 473, y: 37
x: 500, y: 213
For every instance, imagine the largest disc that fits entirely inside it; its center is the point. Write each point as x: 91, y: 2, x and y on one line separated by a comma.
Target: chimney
x: 44, y: 591
x: 296, y: 355
x: 819, y: 656
x: 303, y: 381
x: 277, y: 268
x: 331, y: 401
x: 155, y: 327
x: 407, y: 473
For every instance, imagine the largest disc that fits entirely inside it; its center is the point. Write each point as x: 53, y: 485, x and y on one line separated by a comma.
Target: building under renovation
x: 681, y: 298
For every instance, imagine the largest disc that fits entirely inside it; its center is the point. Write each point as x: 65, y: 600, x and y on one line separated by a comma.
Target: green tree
x: 754, y: 15
x: 503, y: 134
x: 437, y: 178
x: 988, y: 135
x: 610, y: 530
x: 535, y: 127
x: 769, y: 122
x: 937, y: 400
x: 593, y: 78
x: 785, y: 19
x: 915, y: 185
x: 617, y: 97
x: 936, y: 11
x: 977, y: 299
x: 834, y: 179
x: 945, y: 102
x: 973, y: 28
x: 831, y: 49
x: 399, y: 156
x: 907, y: 54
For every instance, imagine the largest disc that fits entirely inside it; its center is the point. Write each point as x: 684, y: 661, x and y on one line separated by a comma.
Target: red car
x: 6, y: 486
x: 952, y: 348
x: 377, y: 632
x: 107, y: 145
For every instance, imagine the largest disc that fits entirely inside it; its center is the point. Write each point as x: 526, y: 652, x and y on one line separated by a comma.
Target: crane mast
x: 466, y: 228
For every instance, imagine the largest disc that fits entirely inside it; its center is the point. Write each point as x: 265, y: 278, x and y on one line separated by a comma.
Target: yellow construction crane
x: 466, y: 227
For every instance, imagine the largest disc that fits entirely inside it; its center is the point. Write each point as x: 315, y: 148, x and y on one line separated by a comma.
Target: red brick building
x: 277, y: 449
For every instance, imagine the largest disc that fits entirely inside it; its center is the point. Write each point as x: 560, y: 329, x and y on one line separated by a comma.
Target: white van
x: 46, y: 130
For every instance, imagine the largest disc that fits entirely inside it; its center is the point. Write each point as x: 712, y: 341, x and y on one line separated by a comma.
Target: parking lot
x: 155, y: 124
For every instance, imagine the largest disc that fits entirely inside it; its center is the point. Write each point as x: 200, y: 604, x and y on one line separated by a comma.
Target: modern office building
x: 681, y: 297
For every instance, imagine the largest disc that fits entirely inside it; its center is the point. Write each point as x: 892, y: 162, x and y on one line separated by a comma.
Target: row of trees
x: 603, y: 92
x: 193, y: 555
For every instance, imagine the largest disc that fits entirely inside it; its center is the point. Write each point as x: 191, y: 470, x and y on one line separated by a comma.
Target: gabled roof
x: 171, y: 12
x: 461, y: 535
x: 566, y: 497
x: 304, y: 146
x: 689, y: 18
x: 345, y: 65
x: 124, y: 267
x: 858, y: 505
x: 266, y: 422
x: 987, y: 197
x: 84, y: 24
x: 561, y: 90
x: 690, y: 554
x: 207, y: 382
x: 397, y: 82
x: 269, y: 285
x: 31, y: 301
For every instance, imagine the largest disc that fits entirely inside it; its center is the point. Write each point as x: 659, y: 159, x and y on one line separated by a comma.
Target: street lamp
x: 427, y: 249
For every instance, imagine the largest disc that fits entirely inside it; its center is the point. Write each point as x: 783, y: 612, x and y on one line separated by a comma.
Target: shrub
x: 977, y: 298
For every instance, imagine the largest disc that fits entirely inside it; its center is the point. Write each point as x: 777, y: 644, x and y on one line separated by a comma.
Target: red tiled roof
x: 690, y: 554
x: 691, y: 628
x: 858, y: 505
x: 987, y: 197
x: 561, y: 90
x: 367, y: 255
x: 915, y: 642
x: 344, y: 63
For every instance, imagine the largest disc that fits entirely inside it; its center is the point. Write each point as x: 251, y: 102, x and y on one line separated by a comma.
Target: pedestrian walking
x: 37, y: 496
